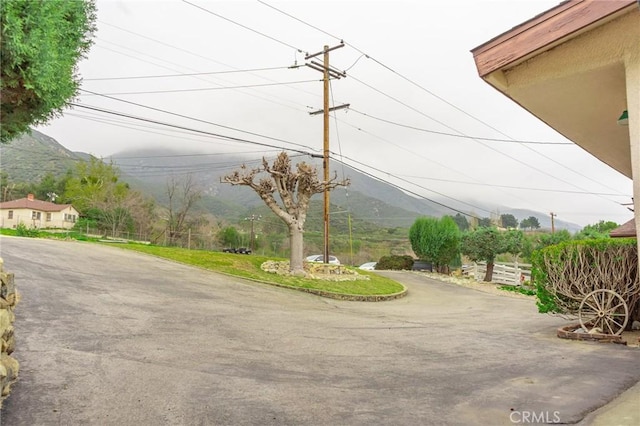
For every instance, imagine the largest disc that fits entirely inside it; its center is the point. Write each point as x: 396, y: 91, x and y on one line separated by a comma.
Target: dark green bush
x: 395, y: 263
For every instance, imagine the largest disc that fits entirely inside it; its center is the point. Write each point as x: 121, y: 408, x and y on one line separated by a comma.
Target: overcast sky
x: 410, y: 78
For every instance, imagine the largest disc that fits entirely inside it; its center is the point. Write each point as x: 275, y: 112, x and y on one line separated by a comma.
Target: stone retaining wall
x: 8, y: 365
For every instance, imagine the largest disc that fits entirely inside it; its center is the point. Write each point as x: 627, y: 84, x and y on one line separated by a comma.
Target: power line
x: 294, y: 150
x: 513, y: 187
x: 195, y: 119
x: 198, y: 56
x: 299, y: 20
x: 524, y: 163
x: 137, y: 58
x: 137, y: 157
x: 422, y: 156
x: 444, y: 101
x: 232, y: 138
x: 457, y: 135
x: 225, y: 137
x: 412, y: 183
x: 205, y: 89
x: 166, y: 44
x: 244, y: 26
x: 134, y: 77
x: 139, y: 127
x: 407, y: 190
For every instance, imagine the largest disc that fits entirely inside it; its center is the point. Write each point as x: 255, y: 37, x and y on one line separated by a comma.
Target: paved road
x: 109, y: 337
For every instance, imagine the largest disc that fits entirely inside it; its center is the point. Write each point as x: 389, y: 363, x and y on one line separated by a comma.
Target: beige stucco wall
x: 25, y: 216
x: 579, y: 88
x: 632, y: 68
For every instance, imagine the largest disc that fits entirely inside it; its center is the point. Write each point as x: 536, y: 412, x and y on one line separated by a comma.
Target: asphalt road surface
x: 111, y: 337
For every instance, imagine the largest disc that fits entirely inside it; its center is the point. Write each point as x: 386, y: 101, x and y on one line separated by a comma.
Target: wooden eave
x: 545, y: 31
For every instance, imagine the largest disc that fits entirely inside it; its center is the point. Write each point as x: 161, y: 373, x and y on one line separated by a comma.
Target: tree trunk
x: 489, y: 275
x: 296, y: 266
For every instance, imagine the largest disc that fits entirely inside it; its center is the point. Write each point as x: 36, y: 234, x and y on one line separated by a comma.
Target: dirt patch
x: 632, y: 338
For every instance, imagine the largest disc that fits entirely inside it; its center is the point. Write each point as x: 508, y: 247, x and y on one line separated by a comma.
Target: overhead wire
x: 137, y: 77
x: 408, y: 191
x: 263, y: 34
x: 560, y: 191
x: 442, y: 100
x: 335, y: 118
x: 458, y: 135
x: 244, y: 26
x: 254, y: 134
x: 141, y: 128
x: 415, y: 184
x: 232, y: 138
x: 195, y: 119
x: 251, y: 92
x: 419, y: 155
x: 136, y: 157
x: 241, y: 140
x: 206, y: 89
x: 517, y: 160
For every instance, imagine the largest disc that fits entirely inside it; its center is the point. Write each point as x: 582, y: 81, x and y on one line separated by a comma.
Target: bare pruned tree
x: 182, y: 195
x: 295, y: 188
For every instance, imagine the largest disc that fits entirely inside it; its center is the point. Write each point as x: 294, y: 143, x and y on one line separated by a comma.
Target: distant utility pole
x: 327, y: 72
x: 252, y: 218
x: 553, y: 226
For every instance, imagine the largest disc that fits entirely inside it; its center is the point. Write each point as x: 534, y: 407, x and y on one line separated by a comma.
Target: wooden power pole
x: 553, y: 225
x: 327, y: 73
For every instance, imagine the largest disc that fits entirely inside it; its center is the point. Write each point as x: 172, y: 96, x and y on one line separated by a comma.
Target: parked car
x: 320, y: 258
x: 369, y: 266
x: 421, y: 265
x: 239, y: 250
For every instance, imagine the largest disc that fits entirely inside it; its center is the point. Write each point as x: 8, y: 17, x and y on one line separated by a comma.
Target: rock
x: 595, y: 330
x: 580, y: 330
x: 635, y: 325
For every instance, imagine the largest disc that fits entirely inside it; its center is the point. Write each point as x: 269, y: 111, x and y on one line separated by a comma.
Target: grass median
x: 248, y: 266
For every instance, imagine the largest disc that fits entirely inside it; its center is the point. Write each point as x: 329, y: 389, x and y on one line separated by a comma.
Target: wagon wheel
x: 604, y: 309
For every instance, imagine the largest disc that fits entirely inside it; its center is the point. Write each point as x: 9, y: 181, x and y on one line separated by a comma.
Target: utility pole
x: 252, y: 218
x: 553, y: 226
x: 327, y: 72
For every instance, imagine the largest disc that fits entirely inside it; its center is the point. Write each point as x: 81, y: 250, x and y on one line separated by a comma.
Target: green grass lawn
x: 248, y: 266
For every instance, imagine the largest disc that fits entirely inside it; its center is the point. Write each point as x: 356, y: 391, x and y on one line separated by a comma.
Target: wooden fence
x: 503, y: 273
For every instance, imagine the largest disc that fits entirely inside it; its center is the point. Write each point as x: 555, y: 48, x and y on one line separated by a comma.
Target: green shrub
x: 23, y: 231
x: 395, y: 263
x: 565, y: 273
x: 518, y: 289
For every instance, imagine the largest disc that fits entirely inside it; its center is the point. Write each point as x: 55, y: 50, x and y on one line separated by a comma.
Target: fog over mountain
x: 369, y: 199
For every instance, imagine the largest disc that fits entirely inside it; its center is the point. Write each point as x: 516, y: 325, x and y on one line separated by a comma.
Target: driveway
x: 111, y: 337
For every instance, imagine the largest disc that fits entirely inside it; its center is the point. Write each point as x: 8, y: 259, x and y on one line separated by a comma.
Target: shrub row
x: 565, y: 273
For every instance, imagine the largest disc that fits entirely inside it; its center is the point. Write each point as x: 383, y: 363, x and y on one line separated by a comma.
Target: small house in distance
x: 626, y: 230
x: 37, y: 214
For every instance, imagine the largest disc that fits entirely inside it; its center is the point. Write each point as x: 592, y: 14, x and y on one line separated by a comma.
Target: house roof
x: 25, y: 203
x: 567, y: 66
x: 627, y: 229
x: 544, y: 31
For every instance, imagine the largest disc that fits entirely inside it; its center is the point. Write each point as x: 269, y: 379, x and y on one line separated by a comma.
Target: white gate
x: 503, y: 273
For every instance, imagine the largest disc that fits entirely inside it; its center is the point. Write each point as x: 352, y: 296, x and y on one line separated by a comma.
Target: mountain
x: 544, y: 219
x: 31, y: 156
x: 369, y: 200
